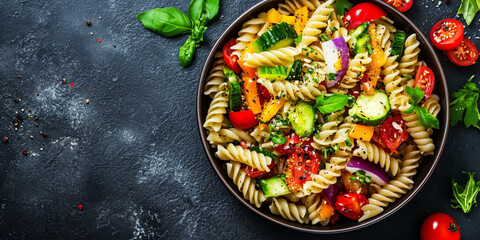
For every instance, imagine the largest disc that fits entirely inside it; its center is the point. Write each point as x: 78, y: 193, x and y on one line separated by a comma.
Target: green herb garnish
x: 465, y: 197
x: 425, y: 118
x: 465, y: 104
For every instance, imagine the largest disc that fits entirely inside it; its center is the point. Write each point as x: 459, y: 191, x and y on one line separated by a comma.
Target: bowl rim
x: 411, y: 193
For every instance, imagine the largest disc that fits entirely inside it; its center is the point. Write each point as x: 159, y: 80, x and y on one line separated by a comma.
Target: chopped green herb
x: 324, y: 37
x: 361, y: 177
x: 407, y: 76
x: 333, y: 29
x: 348, y: 142
x: 425, y: 118
x: 264, y: 152
x: 332, y: 76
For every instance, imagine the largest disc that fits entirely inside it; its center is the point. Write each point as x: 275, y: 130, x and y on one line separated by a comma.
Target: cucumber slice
x: 302, y: 118
x: 295, y: 71
x: 398, y: 44
x: 280, y: 35
x: 275, y: 186
x: 360, y: 30
x: 272, y: 73
x: 371, y: 109
x: 234, y: 89
x: 361, y: 44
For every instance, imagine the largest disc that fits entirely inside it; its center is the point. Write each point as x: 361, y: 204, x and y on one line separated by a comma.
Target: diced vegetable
x: 234, y: 90
x: 336, y: 59
x: 275, y: 186
x: 361, y: 13
x: 280, y: 35
x: 288, y: 19
x: 301, y: 18
x: 270, y: 109
x: 302, y: 118
x: 230, y: 58
x: 361, y: 43
x: 361, y: 132
x: 369, y: 85
x: 273, y: 73
x: 243, y: 119
x: 295, y: 70
x: 326, y: 210
x: 371, y: 109
x: 331, y: 193
x: 251, y: 72
x: 251, y: 95
x: 398, y: 45
x: 273, y: 16
x: 377, y: 174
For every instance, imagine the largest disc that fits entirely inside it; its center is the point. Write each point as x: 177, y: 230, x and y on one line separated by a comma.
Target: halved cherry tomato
x: 440, y: 226
x: 447, y: 34
x: 229, y: 57
x: 363, y: 12
x: 400, y: 5
x: 393, y: 132
x: 350, y: 205
x: 301, y: 165
x: 426, y: 80
x: 353, y: 186
x: 242, y: 119
x: 294, y: 141
x: 465, y: 54
x: 378, y: 141
x: 255, y: 173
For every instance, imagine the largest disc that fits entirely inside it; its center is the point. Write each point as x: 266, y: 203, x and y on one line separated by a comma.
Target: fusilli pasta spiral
x: 290, y: 211
x: 373, y: 153
x: 245, y: 156
x: 280, y: 57
x: 245, y: 184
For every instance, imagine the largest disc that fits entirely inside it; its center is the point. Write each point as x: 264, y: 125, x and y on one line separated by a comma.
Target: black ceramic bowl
x: 426, y: 167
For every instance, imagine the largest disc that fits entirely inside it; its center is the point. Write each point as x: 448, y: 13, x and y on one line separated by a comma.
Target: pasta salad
x: 320, y: 113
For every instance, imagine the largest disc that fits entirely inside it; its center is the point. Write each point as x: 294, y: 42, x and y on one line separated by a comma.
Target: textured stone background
x: 133, y: 157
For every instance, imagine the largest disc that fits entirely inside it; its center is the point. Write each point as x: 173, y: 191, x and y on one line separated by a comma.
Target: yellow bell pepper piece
x: 361, y: 132
x: 273, y: 16
x: 270, y: 109
x: 301, y: 18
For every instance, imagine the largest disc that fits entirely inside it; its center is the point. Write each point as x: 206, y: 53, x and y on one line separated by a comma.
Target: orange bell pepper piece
x: 361, y: 132
x: 270, y: 109
x: 251, y: 95
x: 326, y: 211
x: 288, y: 19
x: 301, y: 18
x: 273, y: 16
x: 251, y: 72
x: 368, y: 86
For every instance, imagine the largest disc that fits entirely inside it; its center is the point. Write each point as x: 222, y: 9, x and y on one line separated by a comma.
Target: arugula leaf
x: 331, y: 104
x: 341, y: 5
x: 167, y: 22
x: 264, y: 152
x: 469, y: 9
x: 425, y: 118
x: 465, y: 197
x: 466, y: 102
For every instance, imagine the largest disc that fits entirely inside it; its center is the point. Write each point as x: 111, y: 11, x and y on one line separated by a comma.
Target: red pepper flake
x: 72, y: 85
x: 99, y: 40
x: 88, y: 88
x: 80, y: 207
x: 18, y: 76
x: 5, y: 139
x: 26, y: 152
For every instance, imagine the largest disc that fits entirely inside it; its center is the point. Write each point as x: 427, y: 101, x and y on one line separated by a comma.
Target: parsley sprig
x: 426, y: 119
x: 465, y: 104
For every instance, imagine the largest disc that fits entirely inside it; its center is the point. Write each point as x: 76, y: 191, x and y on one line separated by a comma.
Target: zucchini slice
x: 371, y: 110
x: 280, y: 35
x: 295, y: 71
x: 302, y: 118
x: 234, y: 90
x: 275, y: 186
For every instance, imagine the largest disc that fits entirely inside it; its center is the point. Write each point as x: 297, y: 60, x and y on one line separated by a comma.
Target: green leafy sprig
x: 469, y: 9
x: 465, y: 197
x: 465, y: 104
x: 426, y: 119
x: 333, y: 103
x: 170, y: 22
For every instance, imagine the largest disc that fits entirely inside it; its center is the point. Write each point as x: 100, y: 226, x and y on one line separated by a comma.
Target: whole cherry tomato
x: 440, y: 226
x: 242, y: 119
x: 393, y: 132
x: 447, y: 34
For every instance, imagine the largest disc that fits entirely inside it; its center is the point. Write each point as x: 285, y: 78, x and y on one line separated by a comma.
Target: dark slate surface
x: 132, y: 156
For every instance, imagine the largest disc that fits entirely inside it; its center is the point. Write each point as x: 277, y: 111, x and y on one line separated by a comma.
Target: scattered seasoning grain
x: 26, y: 152
x: 115, y: 46
x: 87, y: 101
x: 447, y: 1
x: 5, y: 139
x: 31, y: 136
x: 80, y: 207
x: 23, y: 110
x: 91, y: 33
x: 44, y: 134
x: 35, y: 117
x: 36, y: 94
x: 18, y: 76
x: 29, y: 110
x: 64, y: 80
x: 36, y: 125
x: 16, y: 100
x: 89, y: 23
x: 41, y: 149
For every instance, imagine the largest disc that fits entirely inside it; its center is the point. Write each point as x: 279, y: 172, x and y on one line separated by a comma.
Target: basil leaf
x: 469, y: 9
x: 341, y: 5
x: 211, y: 9
x: 187, y: 51
x: 426, y: 119
x: 195, y: 9
x: 167, y: 22
x: 416, y: 94
x: 331, y: 104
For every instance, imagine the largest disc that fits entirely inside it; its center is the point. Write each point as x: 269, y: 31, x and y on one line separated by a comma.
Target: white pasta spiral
x: 280, y: 57
x: 432, y: 105
x: 356, y: 68
x: 215, y: 76
x: 294, y: 90
x: 245, y: 156
x: 245, y: 184
x: 393, y: 84
x: 419, y: 134
x: 327, y: 132
x: 290, y: 211
x: 216, y: 111
x: 410, y: 55
x: 290, y: 6
x: 316, y: 23
x: 314, y: 205
x: 228, y: 135
x: 395, y: 188
x: 249, y: 31
x: 377, y: 155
